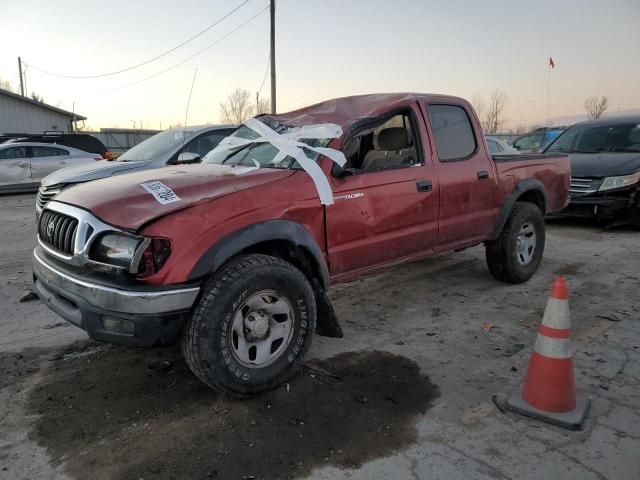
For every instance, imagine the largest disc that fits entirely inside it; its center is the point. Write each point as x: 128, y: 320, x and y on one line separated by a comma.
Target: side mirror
x: 187, y: 157
x: 340, y: 172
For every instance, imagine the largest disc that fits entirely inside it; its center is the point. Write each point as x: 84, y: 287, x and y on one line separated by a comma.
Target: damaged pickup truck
x: 234, y: 257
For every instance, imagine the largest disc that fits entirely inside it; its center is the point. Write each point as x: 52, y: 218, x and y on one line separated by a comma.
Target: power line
x: 147, y: 61
x: 192, y: 56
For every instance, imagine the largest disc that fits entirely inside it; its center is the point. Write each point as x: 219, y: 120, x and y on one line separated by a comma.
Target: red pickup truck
x: 234, y: 257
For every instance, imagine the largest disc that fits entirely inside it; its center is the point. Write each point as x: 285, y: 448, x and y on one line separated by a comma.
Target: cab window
x: 452, y: 132
x: 390, y: 144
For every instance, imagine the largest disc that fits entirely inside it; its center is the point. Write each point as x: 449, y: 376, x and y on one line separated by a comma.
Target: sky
x: 324, y: 49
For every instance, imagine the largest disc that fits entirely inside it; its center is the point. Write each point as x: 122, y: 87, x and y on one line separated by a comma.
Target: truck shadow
x: 127, y: 413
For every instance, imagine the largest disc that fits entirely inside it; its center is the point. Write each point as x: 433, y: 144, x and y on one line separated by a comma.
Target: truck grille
x: 58, y: 231
x: 584, y: 185
x: 45, y: 194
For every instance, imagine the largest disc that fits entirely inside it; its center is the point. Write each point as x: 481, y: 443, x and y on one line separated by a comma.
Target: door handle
x: 483, y: 175
x: 23, y: 165
x: 424, y: 185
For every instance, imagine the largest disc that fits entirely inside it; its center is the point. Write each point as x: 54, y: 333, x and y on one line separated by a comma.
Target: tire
x: 232, y: 340
x: 510, y: 258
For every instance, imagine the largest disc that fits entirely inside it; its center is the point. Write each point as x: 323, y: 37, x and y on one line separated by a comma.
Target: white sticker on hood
x: 161, y: 192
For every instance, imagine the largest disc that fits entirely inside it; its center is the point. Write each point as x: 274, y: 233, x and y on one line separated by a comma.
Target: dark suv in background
x: 605, y: 168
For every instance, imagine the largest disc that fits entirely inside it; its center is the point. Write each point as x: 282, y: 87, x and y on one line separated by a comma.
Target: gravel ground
x: 407, y: 393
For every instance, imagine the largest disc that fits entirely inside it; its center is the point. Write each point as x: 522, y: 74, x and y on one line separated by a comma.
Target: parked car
x: 234, y: 256
x: 23, y: 165
x: 170, y: 147
x: 81, y: 141
x: 537, y: 140
x: 605, y: 168
x: 498, y: 147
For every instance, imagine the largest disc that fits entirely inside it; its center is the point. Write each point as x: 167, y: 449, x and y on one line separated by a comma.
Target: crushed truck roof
x: 347, y: 111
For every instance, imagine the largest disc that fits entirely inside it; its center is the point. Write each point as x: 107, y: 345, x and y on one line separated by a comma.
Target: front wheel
x: 252, y: 326
x: 515, y: 255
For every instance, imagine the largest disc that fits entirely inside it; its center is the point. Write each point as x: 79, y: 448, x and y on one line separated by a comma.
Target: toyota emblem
x: 50, y: 228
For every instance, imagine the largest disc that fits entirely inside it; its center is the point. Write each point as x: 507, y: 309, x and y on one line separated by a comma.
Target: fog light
x: 119, y: 325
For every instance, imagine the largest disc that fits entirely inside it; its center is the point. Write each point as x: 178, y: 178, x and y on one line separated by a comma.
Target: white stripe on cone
x: 556, y: 314
x: 553, y: 347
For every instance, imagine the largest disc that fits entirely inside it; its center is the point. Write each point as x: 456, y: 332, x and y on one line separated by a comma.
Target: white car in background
x: 498, y: 147
x: 24, y: 164
x: 175, y: 146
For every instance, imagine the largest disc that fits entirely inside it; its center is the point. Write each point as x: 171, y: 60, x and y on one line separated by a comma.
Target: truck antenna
x: 186, y: 113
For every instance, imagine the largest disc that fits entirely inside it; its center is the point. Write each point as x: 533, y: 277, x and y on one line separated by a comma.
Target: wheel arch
x: 530, y: 190
x: 285, y: 239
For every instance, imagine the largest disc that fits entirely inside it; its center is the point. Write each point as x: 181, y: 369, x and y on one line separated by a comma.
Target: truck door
x: 386, y: 197
x: 14, y: 167
x: 468, y: 180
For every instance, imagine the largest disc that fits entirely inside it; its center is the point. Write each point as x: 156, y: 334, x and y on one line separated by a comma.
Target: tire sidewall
x: 215, y: 328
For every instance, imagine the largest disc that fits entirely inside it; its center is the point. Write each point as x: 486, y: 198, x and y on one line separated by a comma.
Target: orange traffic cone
x: 549, y: 391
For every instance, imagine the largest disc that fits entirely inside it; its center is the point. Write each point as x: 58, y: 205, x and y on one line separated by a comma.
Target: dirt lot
x: 406, y: 394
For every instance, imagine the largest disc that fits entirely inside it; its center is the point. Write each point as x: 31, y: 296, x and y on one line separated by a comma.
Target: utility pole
x: 257, y: 103
x: 272, y: 10
x: 20, y: 72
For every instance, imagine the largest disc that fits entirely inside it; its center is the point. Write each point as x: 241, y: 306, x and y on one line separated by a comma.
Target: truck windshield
x: 156, y: 146
x: 619, y: 137
x: 263, y: 153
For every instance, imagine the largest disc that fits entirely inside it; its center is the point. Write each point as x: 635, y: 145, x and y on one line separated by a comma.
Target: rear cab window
x: 452, y: 131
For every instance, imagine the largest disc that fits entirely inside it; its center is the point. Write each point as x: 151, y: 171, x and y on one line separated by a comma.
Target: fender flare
x: 524, y: 186
x: 236, y: 242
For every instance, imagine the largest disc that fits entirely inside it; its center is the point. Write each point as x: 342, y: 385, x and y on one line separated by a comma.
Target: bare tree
x: 264, y: 106
x: 237, y: 108
x: 6, y: 85
x: 493, y: 116
x: 520, y: 129
x: 478, y: 103
x: 596, y: 107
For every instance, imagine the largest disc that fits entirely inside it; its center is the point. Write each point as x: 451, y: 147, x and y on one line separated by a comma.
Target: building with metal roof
x: 20, y: 114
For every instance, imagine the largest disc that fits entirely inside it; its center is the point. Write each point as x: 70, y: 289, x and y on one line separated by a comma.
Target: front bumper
x: 602, y: 205
x: 146, y: 316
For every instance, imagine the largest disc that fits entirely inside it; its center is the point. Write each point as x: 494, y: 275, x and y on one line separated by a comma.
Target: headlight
x: 610, y: 183
x: 119, y: 250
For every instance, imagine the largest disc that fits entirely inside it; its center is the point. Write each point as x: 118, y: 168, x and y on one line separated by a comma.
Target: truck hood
x: 604, y: 164
x: 123, y: 202
x: 85, y: 172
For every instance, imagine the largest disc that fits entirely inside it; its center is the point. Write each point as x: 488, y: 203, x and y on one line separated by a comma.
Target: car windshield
x: 263, y: 153
x: 156, y: 146
x: 618, y: 137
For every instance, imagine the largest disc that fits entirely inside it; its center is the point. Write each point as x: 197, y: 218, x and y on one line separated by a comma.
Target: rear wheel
x: 515, y: 255
x: 252, y: 326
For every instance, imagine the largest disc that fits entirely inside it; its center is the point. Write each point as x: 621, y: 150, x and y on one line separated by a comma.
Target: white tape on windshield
x: 161, y: 192
x: 289, y: 144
